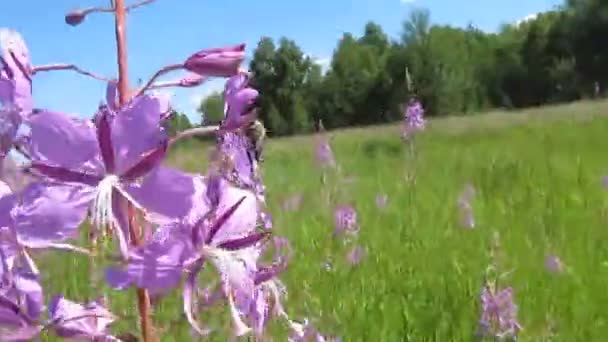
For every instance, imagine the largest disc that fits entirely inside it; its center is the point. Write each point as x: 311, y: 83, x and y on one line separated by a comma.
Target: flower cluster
x: 413, y: 119
x: 99, y: 171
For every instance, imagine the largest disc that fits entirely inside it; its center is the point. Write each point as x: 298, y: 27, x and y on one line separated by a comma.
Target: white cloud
x: 527, y: 18
x: 407, y: 1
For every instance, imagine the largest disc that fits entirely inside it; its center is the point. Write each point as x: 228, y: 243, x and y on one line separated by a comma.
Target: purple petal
x: 104, y: 136
x: 164, y: 191
x: 30, y: 289
x: 5, y: 189
x: 137, y: 130
x: 59, y: 140
x: 73, y: 320
x: 149, y: 160
x: 63, y: 175
x: 158, y: 266
x: 50, y: 214
x: 244, y: 242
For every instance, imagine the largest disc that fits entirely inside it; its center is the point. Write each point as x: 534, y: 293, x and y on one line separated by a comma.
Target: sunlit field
x: 537, y: 177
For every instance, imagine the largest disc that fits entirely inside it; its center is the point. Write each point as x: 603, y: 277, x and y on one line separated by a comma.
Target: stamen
x: 102, y: 205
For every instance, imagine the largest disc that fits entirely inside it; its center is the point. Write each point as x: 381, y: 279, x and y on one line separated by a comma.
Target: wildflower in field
x: 605, y: 182
x: 382, y: 201
x: 345, y: 220
x: 216, y: 62
x: 323, y: 152
x: 413, y: 119
x: 117, y: 160
x: 554, y: 264
x: 465, y: 209
x: 355, y: 255
x: 292, y: 203
x: 227, y: 239
x: 498, y: 313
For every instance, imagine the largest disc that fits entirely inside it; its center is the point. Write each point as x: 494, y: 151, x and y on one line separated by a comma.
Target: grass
x: 537, y: 176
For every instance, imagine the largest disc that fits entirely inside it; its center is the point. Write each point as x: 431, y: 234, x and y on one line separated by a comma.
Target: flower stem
x: 143, y: 298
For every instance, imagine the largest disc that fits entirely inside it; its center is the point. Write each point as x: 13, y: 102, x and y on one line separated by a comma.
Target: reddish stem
x: 121, y: 51
x: 54, y: 67
x: 143, y: 298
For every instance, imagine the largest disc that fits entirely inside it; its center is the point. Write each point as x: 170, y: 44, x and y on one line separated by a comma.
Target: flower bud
x: 74, y: 18
x: 216, y: 62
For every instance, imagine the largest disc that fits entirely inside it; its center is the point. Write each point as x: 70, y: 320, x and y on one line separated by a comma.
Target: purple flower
x: 382, y: 201
x: 226, y: 237
x: 117, y: 160
x: 239, y: 102
x: 216, y: 62
x: 76, y: 321
x: 15, y: 73
x: 554, y: 264
x: 345, y: 218
x: 605, y: 182
x: 413, y: 118
x: 498, y: 313
x: 324, y: 154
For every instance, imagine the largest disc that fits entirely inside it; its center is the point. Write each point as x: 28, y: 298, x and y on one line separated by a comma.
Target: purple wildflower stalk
x: 498, y: 317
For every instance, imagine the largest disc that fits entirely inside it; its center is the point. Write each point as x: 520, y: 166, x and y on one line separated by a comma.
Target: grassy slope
x: 538, y: 185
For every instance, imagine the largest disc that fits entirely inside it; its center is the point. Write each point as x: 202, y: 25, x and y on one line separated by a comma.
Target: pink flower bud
x: 75, y: 17
x: 216, y: 62
x: 191, y: 81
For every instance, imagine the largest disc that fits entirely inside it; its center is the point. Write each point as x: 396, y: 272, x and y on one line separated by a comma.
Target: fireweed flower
x: 216, y: 62
x: 345, y: 221
x: 554, y: 264
x: 117, y: 160
x: 239, y: 102
x: 498, y: 313
x: 226, y: 237
x: 76, y: 321
x: 15, y: 73
x: 323, y: 152
x: 381, y: 201
x: 413, y: 119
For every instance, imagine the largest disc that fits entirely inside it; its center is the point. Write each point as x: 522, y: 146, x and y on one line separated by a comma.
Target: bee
x: 256, y: 133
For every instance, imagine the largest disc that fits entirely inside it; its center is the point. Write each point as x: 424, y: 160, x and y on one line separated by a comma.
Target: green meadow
x: 538, y: 181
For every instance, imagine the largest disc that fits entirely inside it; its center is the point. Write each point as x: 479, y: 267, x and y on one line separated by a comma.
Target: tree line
x: 558, y: 56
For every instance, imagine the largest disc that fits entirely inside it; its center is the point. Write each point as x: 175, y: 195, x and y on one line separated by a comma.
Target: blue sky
x: 170, y: 30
